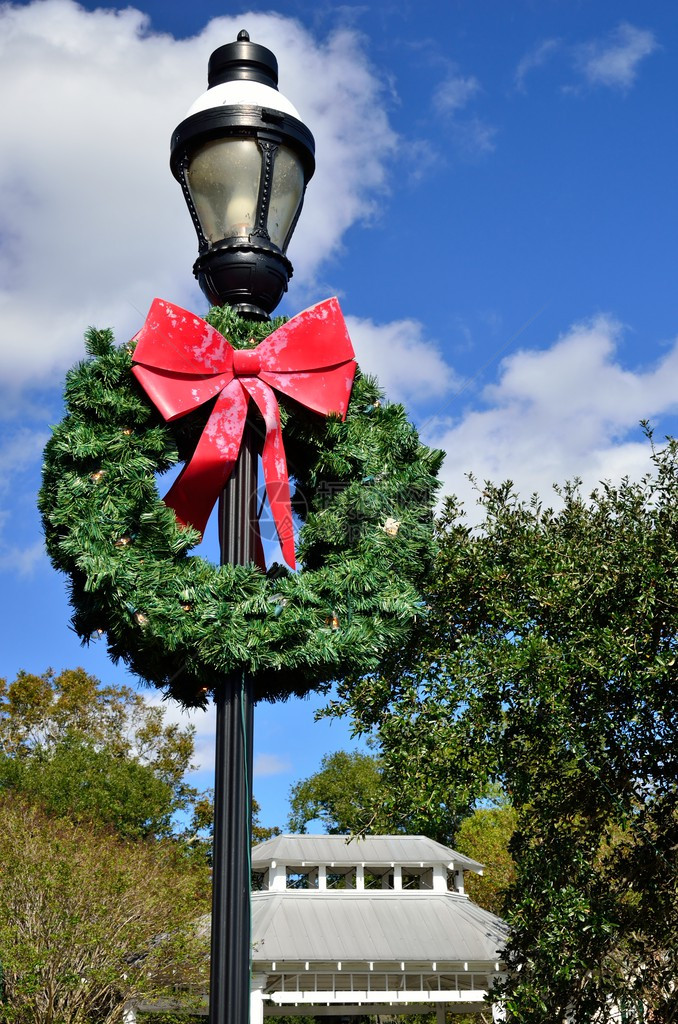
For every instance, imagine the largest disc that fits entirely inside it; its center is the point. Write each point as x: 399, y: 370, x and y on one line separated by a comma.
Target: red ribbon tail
x: 196, y: 490
x: 275, y: 466
x: 278, y: 493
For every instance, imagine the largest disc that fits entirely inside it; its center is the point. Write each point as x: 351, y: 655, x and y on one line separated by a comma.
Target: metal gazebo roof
x: 415, y: 927
x: 344, y: 850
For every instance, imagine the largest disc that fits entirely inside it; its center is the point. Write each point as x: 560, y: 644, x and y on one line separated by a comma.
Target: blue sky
x: 494, y: 205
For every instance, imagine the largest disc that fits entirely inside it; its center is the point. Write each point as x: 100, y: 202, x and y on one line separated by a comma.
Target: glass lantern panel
x: 286, y: 194
x: 223, y: 179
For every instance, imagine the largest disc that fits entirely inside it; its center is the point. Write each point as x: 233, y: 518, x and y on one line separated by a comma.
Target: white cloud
x: 471, y: 135
x: 564, y: 411
x: 270, y: 764
x: 92, y: 224
x: 475, y: 137
x: 17, y: 561
x: 18, y: 452
x: 533, y: 59
x: 455, y: 92
x: 614, y: 61
x: 410, y: 368
x: 420, y: 158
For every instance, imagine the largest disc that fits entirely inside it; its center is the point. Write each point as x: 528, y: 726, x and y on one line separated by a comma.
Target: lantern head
x: 243, y: 158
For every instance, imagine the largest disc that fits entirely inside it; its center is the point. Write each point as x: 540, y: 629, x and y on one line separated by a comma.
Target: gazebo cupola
x: 325, y: 863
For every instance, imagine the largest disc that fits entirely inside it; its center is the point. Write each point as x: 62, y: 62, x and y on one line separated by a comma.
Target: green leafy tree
x: 95, y: 753
x: 485, y: 836
x: 90, y: 922
x: 344, y: 795
x: 103, y: 754
x: 39, y: 710
x: 547, y: 663
x: 75, y: 779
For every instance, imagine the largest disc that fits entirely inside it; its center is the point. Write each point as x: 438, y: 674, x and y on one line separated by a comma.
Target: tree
x: 89, y: 922
x: 101, y: 891
x: 39, y: 710
x: 485, y: 836
x: 547, y: 662
x: 92, y: 752
x: 75, y: 779
x: 344, y: 795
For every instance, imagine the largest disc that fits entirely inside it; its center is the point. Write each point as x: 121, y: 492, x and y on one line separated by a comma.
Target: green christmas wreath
x: 364, y: 494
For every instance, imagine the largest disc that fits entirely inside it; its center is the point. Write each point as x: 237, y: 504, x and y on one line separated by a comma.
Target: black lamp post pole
x: 231, y: 883
x: 241, y: 118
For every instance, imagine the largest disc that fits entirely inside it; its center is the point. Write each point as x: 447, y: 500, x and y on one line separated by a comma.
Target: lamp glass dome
x: 223, y: 177
x: 287, y: 193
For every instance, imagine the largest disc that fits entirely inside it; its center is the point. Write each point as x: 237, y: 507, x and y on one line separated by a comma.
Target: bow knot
x: 182, y: 362
x: 246, y: 362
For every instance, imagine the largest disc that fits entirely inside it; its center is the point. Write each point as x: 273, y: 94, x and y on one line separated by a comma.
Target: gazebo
x: 374, y: 925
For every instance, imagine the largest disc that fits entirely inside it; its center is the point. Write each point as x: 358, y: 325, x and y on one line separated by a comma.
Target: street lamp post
x: 243, y: 158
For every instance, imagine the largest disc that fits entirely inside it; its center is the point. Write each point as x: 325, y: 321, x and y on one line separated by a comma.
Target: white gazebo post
x: 257, y: 985
x: 277, y: 877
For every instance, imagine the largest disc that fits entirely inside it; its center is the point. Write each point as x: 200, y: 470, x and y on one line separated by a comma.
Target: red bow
x: 182, y: 362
